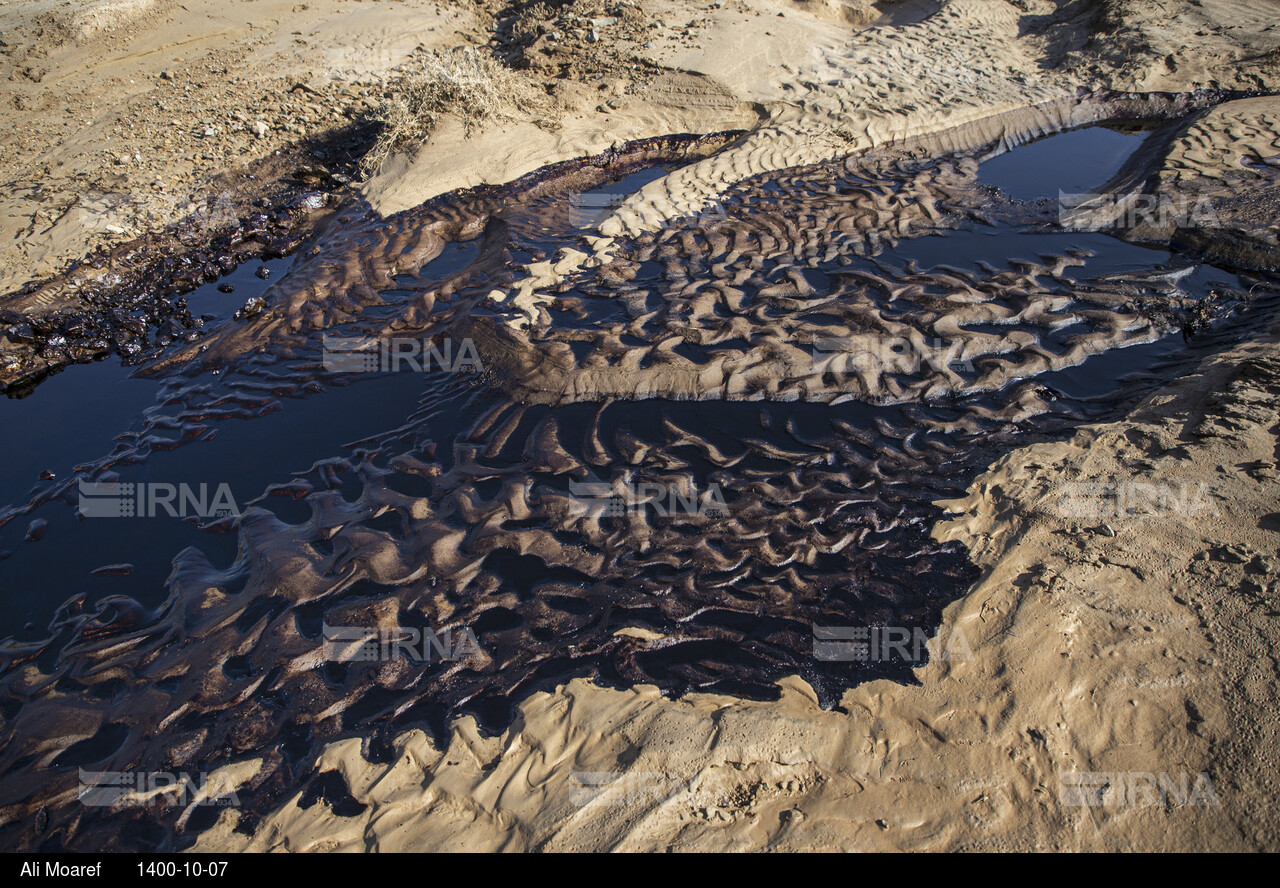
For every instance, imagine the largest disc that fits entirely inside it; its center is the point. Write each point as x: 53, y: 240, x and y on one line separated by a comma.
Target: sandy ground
x: 119, y: 113
x: 1117, y: 645
x: 1109, y: 644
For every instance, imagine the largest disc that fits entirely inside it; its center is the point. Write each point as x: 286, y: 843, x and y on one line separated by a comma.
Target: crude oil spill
x: 224, y: 297
x: 591, y: 207
x: 291, y: 431
x: 72, y: 421
x: 1075, y: 162
x: 670, y: 467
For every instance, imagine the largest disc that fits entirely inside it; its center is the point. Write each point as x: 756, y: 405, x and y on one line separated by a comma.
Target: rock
x: 226, y: 288
x: 253, y: 307
x: 260, y: 128
x: 22, y: 333
x: 310, y: 200
x: 263, y: 272
x: 209, y: 132
x: 1231, y: 554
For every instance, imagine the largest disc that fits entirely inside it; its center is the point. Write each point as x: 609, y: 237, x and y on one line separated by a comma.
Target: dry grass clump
x: 465, y: 82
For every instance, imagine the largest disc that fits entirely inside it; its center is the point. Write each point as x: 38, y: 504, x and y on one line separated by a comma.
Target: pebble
x: 252, y: 307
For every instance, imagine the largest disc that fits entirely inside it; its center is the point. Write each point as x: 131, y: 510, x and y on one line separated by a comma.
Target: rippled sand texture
x: 958, y: 79
x: 1227, y: 168
x: 1150, y: 651
x: 778, y: 295
x: 823, y: 513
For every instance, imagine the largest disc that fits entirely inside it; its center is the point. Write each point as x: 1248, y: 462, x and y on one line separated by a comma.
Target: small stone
x: 226, y: 288
x: 1231, y: 554
x: 310, y: 200
x: 252, y: 307
x: 263, y: 272
x: 260, y: 128
x: 209, y: 132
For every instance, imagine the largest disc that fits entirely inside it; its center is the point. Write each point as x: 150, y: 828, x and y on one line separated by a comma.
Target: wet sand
x: 1116, y: 644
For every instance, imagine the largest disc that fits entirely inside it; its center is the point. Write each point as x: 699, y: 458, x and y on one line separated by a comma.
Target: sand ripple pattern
x: 821, y: 515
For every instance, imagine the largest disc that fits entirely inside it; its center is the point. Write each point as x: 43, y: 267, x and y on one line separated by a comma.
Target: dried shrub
x: 464, y: 82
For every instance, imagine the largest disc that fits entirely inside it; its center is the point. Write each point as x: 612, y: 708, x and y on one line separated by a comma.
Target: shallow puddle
x: 674, y: 469
x: 1076, y: 162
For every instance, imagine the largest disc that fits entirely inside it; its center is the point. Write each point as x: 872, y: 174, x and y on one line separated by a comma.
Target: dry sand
x: 1146, y: 645
x: 107, y: 104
